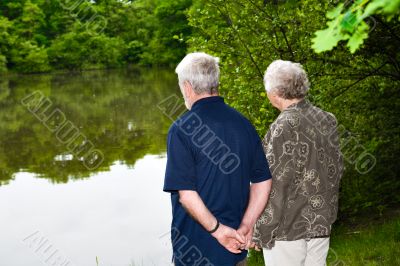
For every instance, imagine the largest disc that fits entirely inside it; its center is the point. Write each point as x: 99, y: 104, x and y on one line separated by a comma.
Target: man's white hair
x: 287, y: 79
x: 201, y: 71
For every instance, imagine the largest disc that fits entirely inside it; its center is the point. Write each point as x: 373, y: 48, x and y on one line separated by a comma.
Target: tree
x: 5, y: 42
x: 91, y: 34
x: 352, y: 23
x: 171, y: 30
x: 361, y: 89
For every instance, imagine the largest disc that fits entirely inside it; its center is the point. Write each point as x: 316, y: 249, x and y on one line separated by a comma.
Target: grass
x: 367, y: 241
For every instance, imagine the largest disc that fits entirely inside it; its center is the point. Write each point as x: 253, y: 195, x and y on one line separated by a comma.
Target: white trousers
x: 298, y: 253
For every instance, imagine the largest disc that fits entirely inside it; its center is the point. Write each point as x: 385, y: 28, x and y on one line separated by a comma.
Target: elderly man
x: 213, y: 154
x: 302, y: 149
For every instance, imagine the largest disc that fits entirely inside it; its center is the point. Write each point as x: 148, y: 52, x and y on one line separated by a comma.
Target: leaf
x: 391, y: 7
x: 334, y: 13
x: 372, y: 7
x: 327, y: 39
x: 349, y: 21
x: 358, y: 37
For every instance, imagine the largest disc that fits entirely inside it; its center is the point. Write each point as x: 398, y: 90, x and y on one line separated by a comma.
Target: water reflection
x: 116, y: 212
x: 116, y: 111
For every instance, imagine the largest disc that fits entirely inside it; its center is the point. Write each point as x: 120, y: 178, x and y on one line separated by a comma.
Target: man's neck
x: 202, y: 96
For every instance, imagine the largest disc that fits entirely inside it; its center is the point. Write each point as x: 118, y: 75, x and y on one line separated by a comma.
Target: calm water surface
x: 54, y: 209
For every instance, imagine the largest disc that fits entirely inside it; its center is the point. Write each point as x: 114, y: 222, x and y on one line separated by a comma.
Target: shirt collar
x: 206, y: 100
x: 299, y: 105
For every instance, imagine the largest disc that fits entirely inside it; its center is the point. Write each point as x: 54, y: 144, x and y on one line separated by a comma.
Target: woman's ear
x: 274, y: 99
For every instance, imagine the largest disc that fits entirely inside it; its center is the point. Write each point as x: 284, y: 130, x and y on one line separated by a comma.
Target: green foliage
x: 28, y: 58
x: 5, y: 36
x: 134, y: 50
x: 170, y: 21
x: 247, y: 36
x: 350, y: 23
x: 108, y: 51
x: 3, y: 64
x: 67, y: 51
x: 374, y: 243
x: 361, y: 90
x: 81, y: 49
x: 31, y: 19
x: 92, y: 34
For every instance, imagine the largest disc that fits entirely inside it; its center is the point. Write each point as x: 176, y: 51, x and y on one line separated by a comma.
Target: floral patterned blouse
x: 302, y: 148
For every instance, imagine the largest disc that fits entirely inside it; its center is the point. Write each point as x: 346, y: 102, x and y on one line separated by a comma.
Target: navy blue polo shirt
x: 214, y: 150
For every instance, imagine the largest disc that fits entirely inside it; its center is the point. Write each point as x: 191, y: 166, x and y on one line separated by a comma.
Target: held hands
x: 229, y: 238
x: 236, y: 240
x: 247, y: 233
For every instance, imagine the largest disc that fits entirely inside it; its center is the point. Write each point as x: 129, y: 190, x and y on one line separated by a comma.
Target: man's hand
x: 247, y: 233
x: 259, y: 193
x: 229, y: 238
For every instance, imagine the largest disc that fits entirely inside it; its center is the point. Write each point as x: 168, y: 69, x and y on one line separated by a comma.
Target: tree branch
x: 358, y: 81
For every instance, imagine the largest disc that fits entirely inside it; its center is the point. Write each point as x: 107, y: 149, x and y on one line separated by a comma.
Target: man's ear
x: 188, y: 88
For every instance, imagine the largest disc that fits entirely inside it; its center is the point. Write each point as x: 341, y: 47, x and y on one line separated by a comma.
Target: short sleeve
x: 260, y: 170
x: 180, y: 171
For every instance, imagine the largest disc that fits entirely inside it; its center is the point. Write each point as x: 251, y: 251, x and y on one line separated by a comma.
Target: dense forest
x: 42, y: 35
x: 356, y: 75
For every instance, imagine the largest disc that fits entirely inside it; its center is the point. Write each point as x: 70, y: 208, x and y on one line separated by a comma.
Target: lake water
x: 65, y: 202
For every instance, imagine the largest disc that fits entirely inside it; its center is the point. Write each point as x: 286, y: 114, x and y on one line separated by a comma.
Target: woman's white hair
x: 201, y: 71
x: 287, y: 79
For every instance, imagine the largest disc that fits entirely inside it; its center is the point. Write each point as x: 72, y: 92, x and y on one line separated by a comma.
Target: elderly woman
x: 306, y: 164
